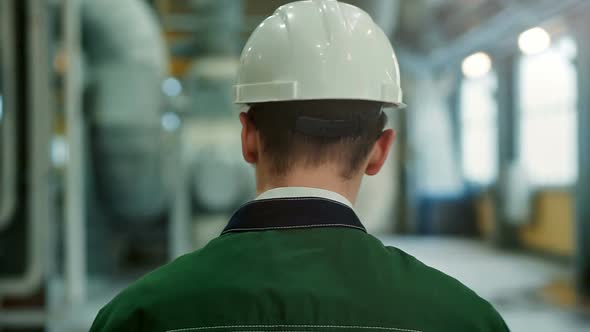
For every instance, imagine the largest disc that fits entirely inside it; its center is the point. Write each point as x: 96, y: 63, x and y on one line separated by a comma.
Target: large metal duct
x: 126, y: 62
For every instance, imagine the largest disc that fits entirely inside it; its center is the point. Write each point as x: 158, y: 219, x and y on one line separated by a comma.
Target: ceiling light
x: 477, y: 65
x: 534, y: 41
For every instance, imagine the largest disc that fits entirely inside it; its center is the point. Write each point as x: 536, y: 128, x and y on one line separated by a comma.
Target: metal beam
x: 454, y: 101
x: 508, y: 127
x: 582, y: 33
x: 180, y: 231
x: 75, y: 234
x: 506, y: 23
x: 493, y: 33
x: 9, y: 106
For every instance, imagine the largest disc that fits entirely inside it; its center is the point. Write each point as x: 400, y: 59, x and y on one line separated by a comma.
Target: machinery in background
x: 112, y: 205
x: 110, y: 168
x: 220, y: 181
x: 24, y: 135
x: 132, y: 148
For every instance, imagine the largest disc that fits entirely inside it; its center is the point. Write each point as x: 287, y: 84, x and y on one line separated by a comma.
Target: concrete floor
x: 511, y: 282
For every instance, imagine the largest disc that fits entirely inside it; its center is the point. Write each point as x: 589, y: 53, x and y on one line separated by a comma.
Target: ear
x: 249, y: 139
x: 380, y: 152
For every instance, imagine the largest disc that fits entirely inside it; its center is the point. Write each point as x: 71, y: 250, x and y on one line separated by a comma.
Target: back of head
x: 312, y: 133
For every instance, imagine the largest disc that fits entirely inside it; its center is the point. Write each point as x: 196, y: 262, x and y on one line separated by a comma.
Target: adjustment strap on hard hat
x: 327, y: 128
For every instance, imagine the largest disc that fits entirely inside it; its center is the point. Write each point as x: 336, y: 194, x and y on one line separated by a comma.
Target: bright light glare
x: 1, y: 107
x: 170, y: 121
x: 172, y: 87
x: 534, y: 41
x: 477, y: 65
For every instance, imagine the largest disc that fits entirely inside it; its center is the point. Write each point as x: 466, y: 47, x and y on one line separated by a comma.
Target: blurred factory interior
x: 120, y: 148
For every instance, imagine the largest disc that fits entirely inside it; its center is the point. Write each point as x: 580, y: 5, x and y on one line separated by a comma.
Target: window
x: 548, y: 130
x: 479, y: 139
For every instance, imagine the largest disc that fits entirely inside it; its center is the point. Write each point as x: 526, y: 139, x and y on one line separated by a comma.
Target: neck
x: 327, y: 178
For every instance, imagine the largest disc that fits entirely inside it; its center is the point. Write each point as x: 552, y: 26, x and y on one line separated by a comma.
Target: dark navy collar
x: 292, y: 213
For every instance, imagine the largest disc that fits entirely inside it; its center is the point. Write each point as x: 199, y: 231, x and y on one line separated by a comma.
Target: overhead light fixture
x: 534, y: 41
x: 477, y: 65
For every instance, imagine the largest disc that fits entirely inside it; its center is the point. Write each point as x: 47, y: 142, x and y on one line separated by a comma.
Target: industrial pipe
x: 38, y: 133
x: 7, y: 118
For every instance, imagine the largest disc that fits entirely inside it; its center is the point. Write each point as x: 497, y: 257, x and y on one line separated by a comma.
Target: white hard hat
x: 318, y: 50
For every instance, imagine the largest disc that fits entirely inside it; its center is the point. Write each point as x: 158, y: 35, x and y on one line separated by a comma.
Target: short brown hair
x: 316, y: 132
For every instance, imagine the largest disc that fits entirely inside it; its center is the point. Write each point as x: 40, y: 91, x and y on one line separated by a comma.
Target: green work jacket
x: 297, y: 265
